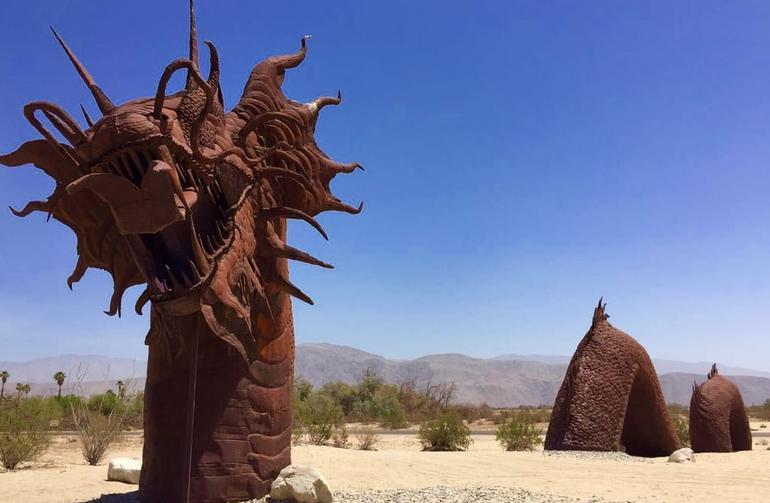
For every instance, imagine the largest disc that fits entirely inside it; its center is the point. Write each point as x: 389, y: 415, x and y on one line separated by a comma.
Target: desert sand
x: 62, y: 476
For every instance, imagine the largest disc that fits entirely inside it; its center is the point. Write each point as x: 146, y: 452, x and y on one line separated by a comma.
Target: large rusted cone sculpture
x: 610, y: 399
x: 175, y: 193
x: 718, y: 421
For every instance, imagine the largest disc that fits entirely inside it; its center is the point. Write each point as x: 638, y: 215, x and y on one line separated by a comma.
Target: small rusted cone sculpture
x: 718, y: 420
x: 610, y: 399
x: 192, y: 201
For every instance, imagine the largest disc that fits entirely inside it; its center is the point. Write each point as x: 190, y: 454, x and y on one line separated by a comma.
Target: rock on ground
x: 124, y: 470
x: 683, y: 455
x: 301, y: 484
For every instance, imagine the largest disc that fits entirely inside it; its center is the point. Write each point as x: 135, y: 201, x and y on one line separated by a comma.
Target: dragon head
x: 174, y: 192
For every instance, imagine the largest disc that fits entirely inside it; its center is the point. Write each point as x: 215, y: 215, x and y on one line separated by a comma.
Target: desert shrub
x: 99, y: 423
x: 320, y: 417
x: 134, y: 415
x: 389, y: 409
x: 473, y: 413
x: 539, y: 414
x: 367, y: 439
x: 682, y: 430
x: 519, y: 433
x: 675, y: 409
x: 445, y: 433
x: 302, y: 389
x: 107, y: 404
x: 760, y: 411
x: 297, y: 435
x: 340, y: 438
x: 23, y: 430
x: 344, y: 395
x: 427, y: 403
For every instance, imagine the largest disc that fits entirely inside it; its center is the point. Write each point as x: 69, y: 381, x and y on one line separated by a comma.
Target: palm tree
x: 59, y: 377
x: 4, y: 375
x: 23, y: 388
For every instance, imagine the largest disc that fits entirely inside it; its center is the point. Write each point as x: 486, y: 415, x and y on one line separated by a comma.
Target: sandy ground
x: 62, y: 476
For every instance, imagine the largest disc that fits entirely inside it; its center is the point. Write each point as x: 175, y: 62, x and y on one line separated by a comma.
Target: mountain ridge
x: 503, y: 381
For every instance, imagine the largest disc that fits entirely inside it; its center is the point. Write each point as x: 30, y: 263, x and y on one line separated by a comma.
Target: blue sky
x: 523, y: 159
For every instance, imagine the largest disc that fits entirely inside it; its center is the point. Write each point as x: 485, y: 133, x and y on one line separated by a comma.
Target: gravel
x: 444, y: 494
x: 439, y: 494
x: 599, y: 455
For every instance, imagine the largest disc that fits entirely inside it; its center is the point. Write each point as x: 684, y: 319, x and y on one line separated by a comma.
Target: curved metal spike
x: 341, y: 167
x: 291, y: 60
x: 214, y: 63
x: 220, y: 331
x: 281, y: 249
x: 30, y: 207
x: 89, y: 121
x: 65, y: 121
x: 80, y: 269
x: 296, y: 214
x: 115, y: 300
x: 285, y: 285
x: 102, y: 101
x: 317, y: 104
x: 141, y: 301
x: 334, y: 205
x: 74, y: 136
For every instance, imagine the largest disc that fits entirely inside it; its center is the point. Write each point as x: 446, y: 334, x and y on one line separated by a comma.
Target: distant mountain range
x: 504, y: 381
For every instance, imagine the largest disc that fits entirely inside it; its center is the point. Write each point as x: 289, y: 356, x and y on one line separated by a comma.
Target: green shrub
x: 446, y: 433
x: 107, y: 404
x: 319, y: 416
x: 345, y: 395
x: 682, y: 430
x: 23, y: 431
x: 389, y: 409
x: 519, y: 433
x: 367, y: 439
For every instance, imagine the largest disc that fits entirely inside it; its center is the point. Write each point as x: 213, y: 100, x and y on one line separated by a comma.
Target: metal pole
x: 192, y: 382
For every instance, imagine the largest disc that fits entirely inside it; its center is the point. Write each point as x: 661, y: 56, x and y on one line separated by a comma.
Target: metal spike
x: 286, y: 286
x: 194, y: 270
x: 87, y: 117
x: 102, y: 101
x: 137, y: 161
x: 175, y: 284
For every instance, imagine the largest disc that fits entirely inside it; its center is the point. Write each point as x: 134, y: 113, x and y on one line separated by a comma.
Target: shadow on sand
x: 131, y: 497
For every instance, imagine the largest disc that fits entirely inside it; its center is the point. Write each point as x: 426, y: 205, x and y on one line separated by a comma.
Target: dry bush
x: 367, y: 439
x: 340, y: 438
x: 446, y: 433
x: 297, y: 433
x: 23, y: 431
x: 99, y: 423
x: 519, y: 433
x: 682, y: 430
x: 541, y: 414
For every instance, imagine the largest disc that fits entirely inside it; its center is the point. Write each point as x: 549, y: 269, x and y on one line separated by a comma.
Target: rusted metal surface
x: 175, y: 193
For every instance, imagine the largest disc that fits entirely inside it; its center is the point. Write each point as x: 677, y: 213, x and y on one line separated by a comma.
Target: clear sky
x: 523, y: 159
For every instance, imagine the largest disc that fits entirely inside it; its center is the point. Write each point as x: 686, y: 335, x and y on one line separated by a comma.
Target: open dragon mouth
x: 178, y: 257
x: 176, y: 193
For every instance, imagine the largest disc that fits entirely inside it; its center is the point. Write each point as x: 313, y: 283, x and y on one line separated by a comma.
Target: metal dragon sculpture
x: 610, y: 398
x: 175, y: 193
x: 718, y: 420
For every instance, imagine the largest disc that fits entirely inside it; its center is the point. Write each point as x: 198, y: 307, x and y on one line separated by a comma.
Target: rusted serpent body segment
x: 610, y: 399
x: 718, y: 420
